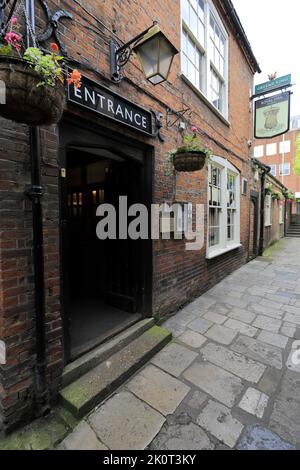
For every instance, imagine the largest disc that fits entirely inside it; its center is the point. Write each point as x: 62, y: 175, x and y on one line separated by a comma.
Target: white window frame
x: 207, y: 62
x: 281, y: 166
x: 224, y: 245
x: 285, y: 147
x: 271, y: 149
x: 259, y: 151
x: 268, y: 210
x: 273, y: 166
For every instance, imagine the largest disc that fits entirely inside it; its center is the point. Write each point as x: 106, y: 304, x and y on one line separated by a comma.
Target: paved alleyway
x: 226, y: 381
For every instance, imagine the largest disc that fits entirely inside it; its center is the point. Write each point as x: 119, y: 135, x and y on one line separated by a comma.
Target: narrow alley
x: 229, y: 379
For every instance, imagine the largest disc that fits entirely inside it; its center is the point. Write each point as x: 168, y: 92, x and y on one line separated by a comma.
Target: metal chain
x: 28, y: 24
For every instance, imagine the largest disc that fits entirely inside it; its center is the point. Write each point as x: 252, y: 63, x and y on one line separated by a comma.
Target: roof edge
x: 229, y: 7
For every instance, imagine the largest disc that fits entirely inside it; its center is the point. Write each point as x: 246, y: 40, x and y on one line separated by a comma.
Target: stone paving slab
x: 200, y: 325
x: 266, y: 323
x: 285, y: 418
x: 258, y: 351
x: 159, y: 389
x: 192, y: 339
x: 215, y: 317
x: 242, y: 315
x: 254, y: 402
x: 174, y: 359
x: 257, y: 437
x: 217, y: 419
x: 126, y: 423
x: 273, y: 339
x: 233, y: 362
x: 217, y: 382
x: 221, y: 334
x: 82, y: 438
x: 182, y: 437
x: 241, y: 327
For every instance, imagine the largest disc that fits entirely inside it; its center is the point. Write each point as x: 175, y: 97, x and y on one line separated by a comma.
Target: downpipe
x: 36, y: 194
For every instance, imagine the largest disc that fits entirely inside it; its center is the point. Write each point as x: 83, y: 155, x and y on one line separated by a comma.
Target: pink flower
x: 14, y: 20
x: 14, y: 40
x: 194, y: 129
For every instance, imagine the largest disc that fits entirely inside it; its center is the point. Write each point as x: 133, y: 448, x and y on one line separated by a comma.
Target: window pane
x: 185, y: 10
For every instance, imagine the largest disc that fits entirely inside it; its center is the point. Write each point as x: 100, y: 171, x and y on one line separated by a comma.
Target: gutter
x: 228, y: 5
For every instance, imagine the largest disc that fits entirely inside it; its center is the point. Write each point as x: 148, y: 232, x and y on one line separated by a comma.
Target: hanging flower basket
x: 189, y: 161
x: 33, y: 91
x: 191, y: 156
x: 25, y: 101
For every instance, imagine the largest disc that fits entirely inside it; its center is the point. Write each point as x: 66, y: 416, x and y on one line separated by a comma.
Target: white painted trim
x: 225, y: 245
x: 208, y: 6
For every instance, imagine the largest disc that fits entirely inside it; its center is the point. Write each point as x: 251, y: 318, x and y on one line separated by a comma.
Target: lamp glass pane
x: 166, y: 56
x: 148, y: 54
x: 156, y: 79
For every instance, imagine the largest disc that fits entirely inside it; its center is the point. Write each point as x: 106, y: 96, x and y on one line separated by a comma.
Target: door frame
x: 66, y: 139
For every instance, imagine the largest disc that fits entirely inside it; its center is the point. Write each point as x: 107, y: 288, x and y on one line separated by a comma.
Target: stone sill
x: 221, y: 251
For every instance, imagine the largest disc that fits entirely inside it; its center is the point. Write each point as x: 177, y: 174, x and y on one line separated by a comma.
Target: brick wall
x: 178, y: 275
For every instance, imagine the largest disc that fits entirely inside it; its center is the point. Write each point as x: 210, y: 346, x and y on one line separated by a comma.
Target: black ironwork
x: 179, y: 115
x: 120, y: 55
x: 53, y: 20
x: 52, y: 26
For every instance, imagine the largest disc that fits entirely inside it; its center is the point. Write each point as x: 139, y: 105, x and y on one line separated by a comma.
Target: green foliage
x: 276, y: 195
x: 297, y: 159
x: 268, y: 188
x: 6, y: 50
x: 47, y: 66
x: 191, y: 145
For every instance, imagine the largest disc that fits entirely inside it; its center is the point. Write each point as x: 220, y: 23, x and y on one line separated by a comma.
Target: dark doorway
x: 106, y: 283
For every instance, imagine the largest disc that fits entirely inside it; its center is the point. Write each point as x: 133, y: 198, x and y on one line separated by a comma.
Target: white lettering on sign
x: 104, y: 101
x: 2, y: 353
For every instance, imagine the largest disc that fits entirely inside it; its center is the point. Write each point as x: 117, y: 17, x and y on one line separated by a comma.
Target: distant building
x: 279, y: 153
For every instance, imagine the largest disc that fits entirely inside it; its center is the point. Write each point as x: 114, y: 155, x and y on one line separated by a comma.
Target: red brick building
x: 90, y: 158
x: 279, y: 153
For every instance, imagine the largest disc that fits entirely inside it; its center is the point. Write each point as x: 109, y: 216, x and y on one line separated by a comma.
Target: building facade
x: 95, y: 288
x: 280, y: 153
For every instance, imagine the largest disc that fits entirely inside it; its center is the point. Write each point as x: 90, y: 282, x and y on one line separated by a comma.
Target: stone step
x: 92, y: 388
x: 85, y: 363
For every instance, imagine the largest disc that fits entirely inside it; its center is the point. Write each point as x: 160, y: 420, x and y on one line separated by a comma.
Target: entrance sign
x: 103, y: 101
x: 272, y: 116
x: 279, y: 82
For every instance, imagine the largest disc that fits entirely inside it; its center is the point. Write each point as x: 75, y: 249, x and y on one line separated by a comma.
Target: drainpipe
x: 265, y: 171
x: 36, y: 194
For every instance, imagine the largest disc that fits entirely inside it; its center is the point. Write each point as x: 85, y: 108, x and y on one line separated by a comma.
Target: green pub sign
x: 278, y: 83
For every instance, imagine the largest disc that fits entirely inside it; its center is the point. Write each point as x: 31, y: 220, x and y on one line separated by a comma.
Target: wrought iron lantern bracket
x: 120, y: 55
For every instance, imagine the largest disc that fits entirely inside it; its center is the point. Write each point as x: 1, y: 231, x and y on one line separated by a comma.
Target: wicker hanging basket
x: 25, y: 102
x: 189, y: 161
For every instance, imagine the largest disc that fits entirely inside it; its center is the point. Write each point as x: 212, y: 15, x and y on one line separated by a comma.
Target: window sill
x: 221, y: 251
x: 205, y: 100
x: 268, y: 225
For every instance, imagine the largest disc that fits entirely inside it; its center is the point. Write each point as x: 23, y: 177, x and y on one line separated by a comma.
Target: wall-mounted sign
x: 2, y: 353
x: 272, y: 116
x: 103, y: 101
x: 279, y: 82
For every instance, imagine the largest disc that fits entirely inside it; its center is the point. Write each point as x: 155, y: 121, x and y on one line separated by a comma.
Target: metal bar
x: 30, y: 8
x: 270, y: 91
x: 135, y: 39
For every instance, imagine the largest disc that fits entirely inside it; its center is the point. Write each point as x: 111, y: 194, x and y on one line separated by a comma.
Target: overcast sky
x: 273, y: 28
